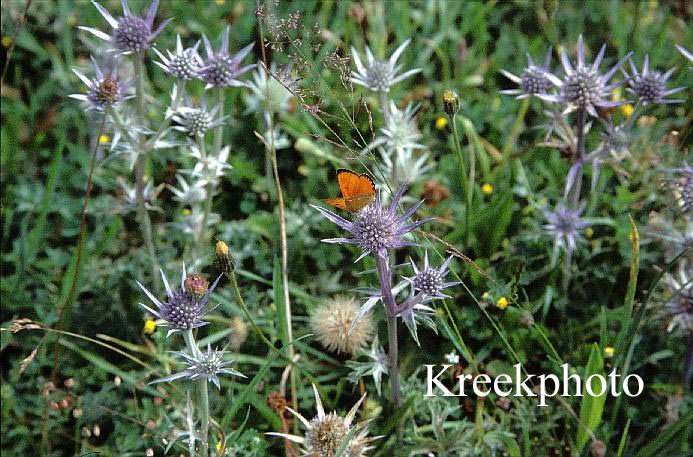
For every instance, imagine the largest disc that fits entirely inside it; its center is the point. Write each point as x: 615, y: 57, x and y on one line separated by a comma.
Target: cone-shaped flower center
x: 374, y: 229
x: 534, y: 81
x: 649, y: 86
x: 429, y: 281
x: 132, y: 34
x: 583, y: 87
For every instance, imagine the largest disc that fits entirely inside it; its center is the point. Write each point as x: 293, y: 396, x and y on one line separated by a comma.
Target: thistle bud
x: 225, y: 263
x: 451, y: 102
x: 196, y: 285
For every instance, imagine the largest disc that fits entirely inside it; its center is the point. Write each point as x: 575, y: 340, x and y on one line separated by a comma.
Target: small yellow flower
x: 104, y: 139
x: 589, y: 231
x: 220, y: 2
x: 487, y: 189
x: 219, y: 443
x: 609, y: 351
x: 502, y: 303
x: 6, y: 41
x: 627, y: 110
x: 485, y: 296
x: 149, y: 327
x: 441, y: 122
x: 186, y: 212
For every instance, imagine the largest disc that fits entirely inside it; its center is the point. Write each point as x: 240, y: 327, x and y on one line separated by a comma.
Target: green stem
x: 239, y: 300
x: 140, y: 164
x: 464, y: 183
x: 393, y: 360
x: 174, y: 107
x: 203, y: 397
x: 574, y: 191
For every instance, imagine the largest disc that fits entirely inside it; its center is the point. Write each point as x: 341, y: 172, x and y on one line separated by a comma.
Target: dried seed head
x: 451, y: 102
x: 325, y: 435
x: 225, y: 263
x: 196, y: 285
x: 332, y: 324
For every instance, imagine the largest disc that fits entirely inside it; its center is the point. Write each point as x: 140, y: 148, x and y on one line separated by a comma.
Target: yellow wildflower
x: 487, y: 189
x: 149, y: 327
x: 502, y: 303
x: 441, y: 122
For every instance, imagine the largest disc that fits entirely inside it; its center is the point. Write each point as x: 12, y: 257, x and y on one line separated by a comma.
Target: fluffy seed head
x: 332, y: 324
x: 326, y: 435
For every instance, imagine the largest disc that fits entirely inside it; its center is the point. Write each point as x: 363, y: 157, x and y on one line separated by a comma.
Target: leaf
x: 240, y: 401
x: 592, y: 406
x: 666, y: 436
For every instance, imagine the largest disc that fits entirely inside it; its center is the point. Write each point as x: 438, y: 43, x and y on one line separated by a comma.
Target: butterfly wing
x: 353, y: 184
x: 339, y: 202
x: 357, y: 191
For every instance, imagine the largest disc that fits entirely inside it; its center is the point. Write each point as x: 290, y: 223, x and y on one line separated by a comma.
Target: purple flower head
x: 103, y: 91
x: 679, y: 309
x: 222, y: 69
x: 564, y: 225
x: 650, y: 85
x: 204, y: 365
x: 681, y: 183
x: 430, y: 281
x: 379, y: 75
x: 130, y: 33
x: 583, y: 87
x: 534, y: 79
x: 182, y: 310
x: 376, y: 229
x: 184, y: 64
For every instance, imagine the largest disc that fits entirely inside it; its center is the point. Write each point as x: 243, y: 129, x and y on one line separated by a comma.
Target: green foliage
x: 90, y: 392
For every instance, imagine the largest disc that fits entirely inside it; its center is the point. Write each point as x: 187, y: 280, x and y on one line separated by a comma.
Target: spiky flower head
x: 583, y: 86
x: 400, y: 131
x: 616, y: 140
x: 130, y: 33
x: 430, y: 281
x: 564, y: 225
x: 533, y: 80
x: 267, y: 94
x: 129, y: 199
x: 184, y: 64
x: 326, y: 432
x: 222, y: 69
x: 197, y: 120
x: 103, y: 91
x: 379, y: 75
x: 188, y: 193
x: 681, y: 183
x: 203, y: 366
x: 376, y: 365
x: 331, y: 323
x: 376, y: 229
x: 182, y: 310
x: 650, y: 86
x: 679, y: 309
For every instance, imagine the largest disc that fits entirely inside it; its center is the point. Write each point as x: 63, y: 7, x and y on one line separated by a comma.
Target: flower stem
x: 140, y: 164
x: 391, y: 316
x: 464, y: 183
x: 385, y: 108
x: 574, y: 191
x: 203, y: 397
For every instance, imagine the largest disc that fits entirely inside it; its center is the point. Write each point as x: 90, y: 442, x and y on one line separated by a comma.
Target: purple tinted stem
x: 391, y: 316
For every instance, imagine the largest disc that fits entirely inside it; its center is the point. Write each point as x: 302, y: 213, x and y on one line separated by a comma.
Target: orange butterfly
x: 357, y: 191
